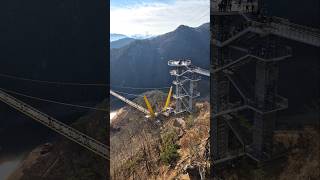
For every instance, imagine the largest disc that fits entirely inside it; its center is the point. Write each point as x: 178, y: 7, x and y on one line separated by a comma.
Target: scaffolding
x: 241, y: 33
x: 185, y: 82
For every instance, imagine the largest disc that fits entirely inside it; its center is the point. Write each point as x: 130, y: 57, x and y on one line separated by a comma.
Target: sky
x: 155, y: 17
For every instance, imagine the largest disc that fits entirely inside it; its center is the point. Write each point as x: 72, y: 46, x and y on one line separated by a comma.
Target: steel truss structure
x: 241, y: 34
x: 186, y: 77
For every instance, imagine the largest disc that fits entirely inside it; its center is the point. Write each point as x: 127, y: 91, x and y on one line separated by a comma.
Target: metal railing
x: 61, y: 128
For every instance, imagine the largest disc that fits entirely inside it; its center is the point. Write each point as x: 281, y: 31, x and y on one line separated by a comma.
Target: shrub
x: 169, y: 151
x: 170, y: 154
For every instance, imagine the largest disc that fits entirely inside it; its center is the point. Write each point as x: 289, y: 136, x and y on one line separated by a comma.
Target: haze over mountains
x: 115, y: 37
x: 121, y: 42
x: 143, y: 63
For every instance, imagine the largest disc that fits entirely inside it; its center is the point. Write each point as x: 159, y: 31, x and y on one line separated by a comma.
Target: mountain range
x: 143, y: 63
x: 115, y: 37
x: 121, y: 42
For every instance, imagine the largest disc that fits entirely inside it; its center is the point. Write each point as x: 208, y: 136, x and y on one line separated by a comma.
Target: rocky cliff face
x: 173, y: 147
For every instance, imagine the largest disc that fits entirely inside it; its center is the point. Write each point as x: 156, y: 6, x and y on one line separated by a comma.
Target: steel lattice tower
x: 185, y: 82
x: 242, y: 34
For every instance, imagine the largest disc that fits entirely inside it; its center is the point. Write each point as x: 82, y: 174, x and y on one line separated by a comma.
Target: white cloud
x: 158, y: 18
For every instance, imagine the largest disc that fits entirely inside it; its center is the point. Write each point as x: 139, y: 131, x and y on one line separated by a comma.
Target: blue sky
x: 154, y: 17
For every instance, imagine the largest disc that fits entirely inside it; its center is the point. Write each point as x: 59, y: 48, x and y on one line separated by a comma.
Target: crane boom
x: 151, y: 112
x: 168, y: 99
x: 133, y: 104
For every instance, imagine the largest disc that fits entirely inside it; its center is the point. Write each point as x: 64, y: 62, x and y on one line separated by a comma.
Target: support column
x: 191, y: 93
x: 219, y: 94
x: 265, y: 94
x: 178, y: 91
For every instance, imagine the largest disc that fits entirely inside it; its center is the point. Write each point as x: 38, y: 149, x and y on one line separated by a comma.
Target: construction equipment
x: 184, y: 72
x: 186, y: 75
x: 168, y: 100
x: 149, y: 112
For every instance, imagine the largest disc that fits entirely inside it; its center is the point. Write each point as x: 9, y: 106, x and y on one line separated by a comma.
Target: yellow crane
x: 165, y: 109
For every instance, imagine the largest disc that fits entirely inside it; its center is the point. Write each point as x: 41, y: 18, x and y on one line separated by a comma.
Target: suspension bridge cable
x: 77, y: 84
x: 129, y: 94
x: 52, y: 82
x: 142, y: 88
x: 52, y: 101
